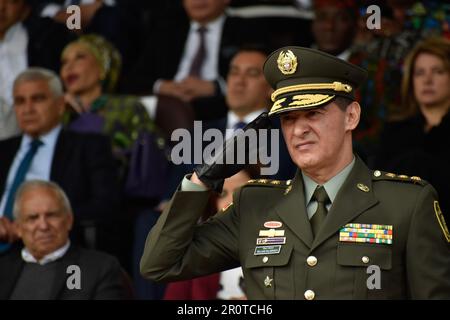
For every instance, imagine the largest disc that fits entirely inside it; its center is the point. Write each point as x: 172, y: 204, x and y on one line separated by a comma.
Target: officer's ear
x: 352, y: 115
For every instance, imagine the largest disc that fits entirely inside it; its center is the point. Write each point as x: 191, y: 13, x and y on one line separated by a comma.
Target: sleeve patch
x: 441, y: 220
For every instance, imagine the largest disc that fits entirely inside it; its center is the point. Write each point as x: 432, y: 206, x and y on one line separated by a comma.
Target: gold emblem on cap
x: 287, y: 62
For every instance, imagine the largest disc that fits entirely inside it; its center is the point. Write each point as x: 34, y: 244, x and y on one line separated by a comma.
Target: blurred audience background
x: 136, y: 71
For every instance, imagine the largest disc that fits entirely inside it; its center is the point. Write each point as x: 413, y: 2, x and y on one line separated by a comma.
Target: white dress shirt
x: 52, y: 256
x: 13, y: 59
x: 41, y: 164
x: 230, y: 284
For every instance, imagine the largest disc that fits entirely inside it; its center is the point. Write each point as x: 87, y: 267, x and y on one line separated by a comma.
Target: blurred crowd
x: 93, y: 110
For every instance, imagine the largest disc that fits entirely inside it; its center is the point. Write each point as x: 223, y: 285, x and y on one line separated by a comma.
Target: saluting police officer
x: 337, y: 230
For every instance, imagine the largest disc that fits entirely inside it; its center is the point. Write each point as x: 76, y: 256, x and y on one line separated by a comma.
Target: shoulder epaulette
x: 380, y: 175
x: 268, y: 183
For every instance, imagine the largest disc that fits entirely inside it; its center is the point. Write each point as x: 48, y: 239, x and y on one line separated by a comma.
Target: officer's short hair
x: 342, y: 102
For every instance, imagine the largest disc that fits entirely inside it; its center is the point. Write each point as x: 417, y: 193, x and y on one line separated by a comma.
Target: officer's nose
x: 301, y: 126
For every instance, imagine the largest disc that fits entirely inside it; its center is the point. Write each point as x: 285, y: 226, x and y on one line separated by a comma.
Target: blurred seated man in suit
x: 191, y: 58
x: 49, y: 266
x: 82, y: 164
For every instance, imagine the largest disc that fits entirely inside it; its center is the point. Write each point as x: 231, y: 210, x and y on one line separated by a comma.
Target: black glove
x: 227, y: 162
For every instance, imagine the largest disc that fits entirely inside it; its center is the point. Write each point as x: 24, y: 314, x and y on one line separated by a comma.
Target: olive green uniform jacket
x: 416, y: 265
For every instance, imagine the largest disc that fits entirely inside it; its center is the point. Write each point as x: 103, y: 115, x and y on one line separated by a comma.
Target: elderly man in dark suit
x: 82, y: 164
x: 49, y: 266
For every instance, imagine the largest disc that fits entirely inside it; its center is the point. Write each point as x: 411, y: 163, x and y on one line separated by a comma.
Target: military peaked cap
x: 305, y: 78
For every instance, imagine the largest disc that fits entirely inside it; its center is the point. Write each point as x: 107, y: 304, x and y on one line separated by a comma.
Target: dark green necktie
x: 320, y: 195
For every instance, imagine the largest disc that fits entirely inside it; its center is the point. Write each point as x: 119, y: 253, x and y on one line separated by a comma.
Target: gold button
x: 365, y: 259
x: 311, y: 261
x: 265, y: 259
x: 309, y: 295
x: 377, y: 173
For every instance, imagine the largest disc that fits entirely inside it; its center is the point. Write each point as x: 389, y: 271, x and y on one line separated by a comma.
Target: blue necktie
x: 239, y: 125
x: 21, y: 172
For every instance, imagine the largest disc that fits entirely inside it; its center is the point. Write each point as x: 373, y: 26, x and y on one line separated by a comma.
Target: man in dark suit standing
x: 49, y: 266
x: 188, y: 58
x: 82, y: 164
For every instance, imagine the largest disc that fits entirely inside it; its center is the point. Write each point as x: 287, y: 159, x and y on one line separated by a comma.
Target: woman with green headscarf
x: 90, y: 67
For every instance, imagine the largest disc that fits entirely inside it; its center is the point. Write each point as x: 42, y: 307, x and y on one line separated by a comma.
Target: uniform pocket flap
x: 268, y: 260
x: 364, y: 255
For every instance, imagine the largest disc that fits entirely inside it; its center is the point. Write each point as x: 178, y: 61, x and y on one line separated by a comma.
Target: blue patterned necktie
x: 21, y: 172
x: 19, y: 177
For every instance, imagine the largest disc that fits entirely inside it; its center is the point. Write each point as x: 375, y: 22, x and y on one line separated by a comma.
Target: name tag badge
x: 265, y: 250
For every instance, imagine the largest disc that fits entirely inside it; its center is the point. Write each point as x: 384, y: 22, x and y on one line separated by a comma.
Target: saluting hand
x: 224, y: 164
